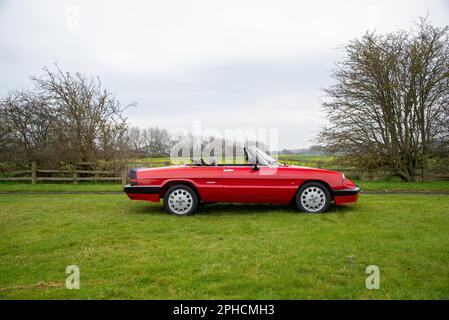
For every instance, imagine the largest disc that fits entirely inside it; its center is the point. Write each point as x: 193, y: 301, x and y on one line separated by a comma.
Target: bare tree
x: 150, y: 141
x: 158, y: 141
x: 135, y: 139
x: 69, y: 118
x: 90, y: 117
x: 27, y: 127
x: 389, y: 105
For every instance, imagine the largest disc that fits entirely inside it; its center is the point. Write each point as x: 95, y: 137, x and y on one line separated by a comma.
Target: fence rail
x: 35, y: 175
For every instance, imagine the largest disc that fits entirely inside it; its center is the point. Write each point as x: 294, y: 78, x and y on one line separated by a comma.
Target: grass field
x: 109, y: 187
x: 128, y: 249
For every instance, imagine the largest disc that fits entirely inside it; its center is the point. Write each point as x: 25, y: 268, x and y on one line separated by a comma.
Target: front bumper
x: 346, y: 192
x: 346, y: 195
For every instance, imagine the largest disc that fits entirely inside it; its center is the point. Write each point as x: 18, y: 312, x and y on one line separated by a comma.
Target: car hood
x: 294, y: 168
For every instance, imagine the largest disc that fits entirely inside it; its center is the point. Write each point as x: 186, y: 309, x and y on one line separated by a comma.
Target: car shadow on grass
x: 148, y: 209
x: 242, y: 208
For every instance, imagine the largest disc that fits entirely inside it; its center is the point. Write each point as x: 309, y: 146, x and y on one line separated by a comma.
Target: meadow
x: 135, y: 250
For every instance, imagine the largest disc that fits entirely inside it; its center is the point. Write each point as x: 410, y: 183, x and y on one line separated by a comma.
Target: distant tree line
x: 316, y: 150
x: 389, y: 106
x: 149, y: 141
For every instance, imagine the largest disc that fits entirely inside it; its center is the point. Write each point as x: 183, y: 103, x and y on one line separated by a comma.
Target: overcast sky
x: 229, y: 64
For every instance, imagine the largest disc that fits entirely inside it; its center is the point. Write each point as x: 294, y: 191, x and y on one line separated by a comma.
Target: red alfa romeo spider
x: 261, y: 180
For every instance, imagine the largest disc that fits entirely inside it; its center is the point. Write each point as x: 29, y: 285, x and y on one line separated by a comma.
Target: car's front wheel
x: 313, y: 197
x: 180, y: 200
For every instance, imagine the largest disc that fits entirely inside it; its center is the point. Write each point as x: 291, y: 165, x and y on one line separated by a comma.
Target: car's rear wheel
x: 180, y: 200
x: 313, y: 197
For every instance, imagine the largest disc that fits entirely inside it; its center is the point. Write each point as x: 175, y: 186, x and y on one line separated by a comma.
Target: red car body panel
x: 238, y: 183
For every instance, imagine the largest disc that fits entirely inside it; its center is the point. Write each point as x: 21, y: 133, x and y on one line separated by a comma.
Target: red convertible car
x: 261, y: 180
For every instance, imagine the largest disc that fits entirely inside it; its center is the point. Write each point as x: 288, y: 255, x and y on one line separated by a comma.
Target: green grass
x: 60, y: 187
x: 404, y: 186
x: 131, y: 249
x: 109, y: 187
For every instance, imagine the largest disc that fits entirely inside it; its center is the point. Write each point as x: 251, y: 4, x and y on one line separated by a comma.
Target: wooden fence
x: 360, y: 174
x: 35, y: 174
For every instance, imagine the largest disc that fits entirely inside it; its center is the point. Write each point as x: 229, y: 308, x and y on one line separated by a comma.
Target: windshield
x: 266, y: 158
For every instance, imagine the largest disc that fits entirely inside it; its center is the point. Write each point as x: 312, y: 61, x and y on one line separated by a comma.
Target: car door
x: 208, y: 181
x: 244, y: 184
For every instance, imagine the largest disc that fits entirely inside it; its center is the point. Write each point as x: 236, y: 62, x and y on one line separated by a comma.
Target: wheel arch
x: 171, y: 183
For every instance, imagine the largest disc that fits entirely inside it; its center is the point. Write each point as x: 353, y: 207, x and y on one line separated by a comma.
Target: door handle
x: 228, y: 170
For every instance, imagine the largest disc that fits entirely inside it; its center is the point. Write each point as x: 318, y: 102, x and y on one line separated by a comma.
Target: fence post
x: 124, y: 174
x: 75, y: 176
x: 33, y: 172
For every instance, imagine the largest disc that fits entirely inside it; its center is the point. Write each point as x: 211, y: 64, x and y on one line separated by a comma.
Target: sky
x: 227, y: 64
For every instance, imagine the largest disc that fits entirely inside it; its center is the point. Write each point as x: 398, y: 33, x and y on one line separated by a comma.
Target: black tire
x: 180, y: 200
x: 313, y: 197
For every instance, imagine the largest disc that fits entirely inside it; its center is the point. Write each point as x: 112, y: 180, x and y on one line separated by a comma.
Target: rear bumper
x: 346, y: 195
x: 147, y: 193
x: 142, y: 189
